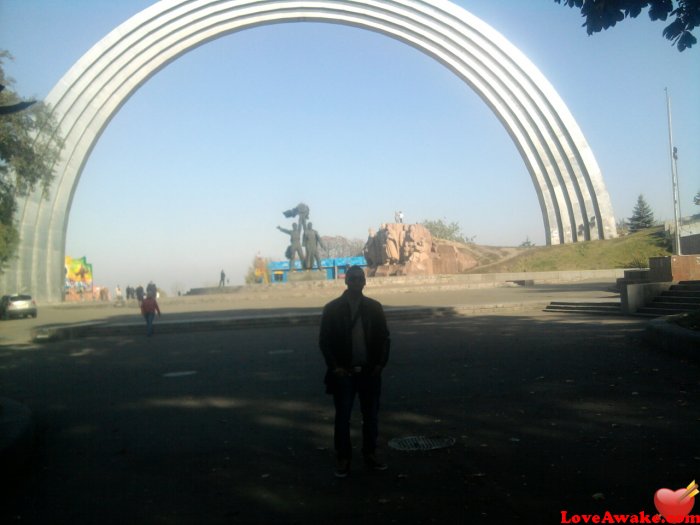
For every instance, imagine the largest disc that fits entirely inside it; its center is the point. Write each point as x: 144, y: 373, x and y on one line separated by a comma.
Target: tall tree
x: 448, y: 232
x: 339, y: 246
x: 642, y: 216
x: 604, y: 14
x: 29, y: 147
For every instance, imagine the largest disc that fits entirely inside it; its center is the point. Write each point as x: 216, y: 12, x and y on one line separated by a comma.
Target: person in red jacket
x: 149, y: 308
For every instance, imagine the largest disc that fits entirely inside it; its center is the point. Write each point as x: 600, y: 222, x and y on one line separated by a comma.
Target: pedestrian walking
x: 354, y: 340
x: 149, y: 308
x: 139, y: 294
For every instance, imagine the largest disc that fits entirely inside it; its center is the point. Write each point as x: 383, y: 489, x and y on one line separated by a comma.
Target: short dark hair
x: 354, y: 269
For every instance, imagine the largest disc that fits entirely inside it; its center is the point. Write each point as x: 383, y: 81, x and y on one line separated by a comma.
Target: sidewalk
x: 294, y: 306
x: 234, y: 426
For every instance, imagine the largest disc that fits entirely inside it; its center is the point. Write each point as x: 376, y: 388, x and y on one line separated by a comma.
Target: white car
x: 19, y: 305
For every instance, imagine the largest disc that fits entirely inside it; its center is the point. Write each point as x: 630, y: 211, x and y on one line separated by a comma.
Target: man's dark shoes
x: 342, y: 468
x: 372, y: 463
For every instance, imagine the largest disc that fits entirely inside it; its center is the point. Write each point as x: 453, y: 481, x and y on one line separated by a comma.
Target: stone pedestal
x: 306, y: 276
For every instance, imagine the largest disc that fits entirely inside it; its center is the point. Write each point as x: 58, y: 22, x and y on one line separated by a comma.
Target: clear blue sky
x: 193, y: 173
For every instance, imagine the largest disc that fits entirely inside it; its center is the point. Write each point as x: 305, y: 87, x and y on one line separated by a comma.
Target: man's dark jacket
x: 335, y: 338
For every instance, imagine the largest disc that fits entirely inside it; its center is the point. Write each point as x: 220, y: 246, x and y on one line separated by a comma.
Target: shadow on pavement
x: 549, y: 413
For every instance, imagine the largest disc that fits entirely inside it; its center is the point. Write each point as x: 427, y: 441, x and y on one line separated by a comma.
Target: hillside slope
x: 630, y: 251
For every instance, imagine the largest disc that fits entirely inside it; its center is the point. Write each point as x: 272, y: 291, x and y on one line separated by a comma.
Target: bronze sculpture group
x: 304, y: 241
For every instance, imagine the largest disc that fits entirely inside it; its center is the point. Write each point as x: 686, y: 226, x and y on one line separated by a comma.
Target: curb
x: 94, y: 329
x: 673, y: 339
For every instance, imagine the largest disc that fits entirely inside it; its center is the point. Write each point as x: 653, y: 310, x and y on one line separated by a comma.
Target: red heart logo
x: 672, y: 505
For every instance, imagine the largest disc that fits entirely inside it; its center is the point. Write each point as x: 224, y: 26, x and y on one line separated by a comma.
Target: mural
x: 78, y: 274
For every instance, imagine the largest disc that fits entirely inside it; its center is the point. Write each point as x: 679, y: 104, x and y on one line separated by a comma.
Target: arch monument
x: 572, y: 195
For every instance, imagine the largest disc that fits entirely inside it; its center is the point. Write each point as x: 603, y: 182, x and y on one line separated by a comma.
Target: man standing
x: 354, y: 340
x: 222, y: 279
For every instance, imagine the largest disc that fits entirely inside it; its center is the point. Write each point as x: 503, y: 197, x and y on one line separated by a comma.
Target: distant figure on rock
x: 294, y: 247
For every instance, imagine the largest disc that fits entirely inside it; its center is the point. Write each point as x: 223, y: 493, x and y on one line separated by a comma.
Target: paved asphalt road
x: 550, y: 412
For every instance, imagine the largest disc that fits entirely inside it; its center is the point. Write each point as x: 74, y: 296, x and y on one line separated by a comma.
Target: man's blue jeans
x: 149, y: 322
x: 368, y: 388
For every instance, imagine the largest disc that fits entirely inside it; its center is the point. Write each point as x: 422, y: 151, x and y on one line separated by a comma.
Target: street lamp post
x: 674, y: 178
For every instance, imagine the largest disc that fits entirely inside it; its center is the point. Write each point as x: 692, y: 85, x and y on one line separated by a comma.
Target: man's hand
x: 341, y: 372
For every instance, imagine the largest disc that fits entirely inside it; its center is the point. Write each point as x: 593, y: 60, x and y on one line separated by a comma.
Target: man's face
x: 355, y: 281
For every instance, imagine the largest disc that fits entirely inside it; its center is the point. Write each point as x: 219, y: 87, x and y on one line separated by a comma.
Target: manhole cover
x: 412, y: 443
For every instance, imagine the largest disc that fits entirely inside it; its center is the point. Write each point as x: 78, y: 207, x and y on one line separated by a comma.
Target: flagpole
x: 674, y: 178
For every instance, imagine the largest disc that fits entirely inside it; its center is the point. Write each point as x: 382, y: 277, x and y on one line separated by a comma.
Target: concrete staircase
x: 681, y: 297
x: 594, y: 307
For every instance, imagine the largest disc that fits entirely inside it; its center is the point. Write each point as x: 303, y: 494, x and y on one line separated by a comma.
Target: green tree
x: 339, y: 246
x: 448, y: 232
x: 622, y: 227
x: 696, y: 199
x: 604, y: 14
x: 642, y: 216
x: 29, y: 148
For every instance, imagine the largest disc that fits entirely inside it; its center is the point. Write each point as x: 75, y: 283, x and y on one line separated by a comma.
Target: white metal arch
x: 573, y: 198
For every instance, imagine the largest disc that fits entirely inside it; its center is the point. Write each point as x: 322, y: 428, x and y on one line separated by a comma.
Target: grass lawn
x: 630, y: 251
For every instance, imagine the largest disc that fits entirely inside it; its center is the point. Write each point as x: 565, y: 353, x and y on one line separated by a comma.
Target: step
x: 682, y: 306
x: 585, y: 308
x: 685, y: 287
x: 681, y: 293
x: 671, y: 298
x: 595, y: 304
x: 563, y: 308
x: 649, y: 311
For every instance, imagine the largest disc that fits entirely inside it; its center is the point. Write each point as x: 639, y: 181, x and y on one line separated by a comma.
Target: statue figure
x: 369, y: 250
x: 418, y: 243
x: 302, y: 210
x: 312, y: 241
x: 294, y: 247
x: 380, y: 246
x: 393, y: 243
